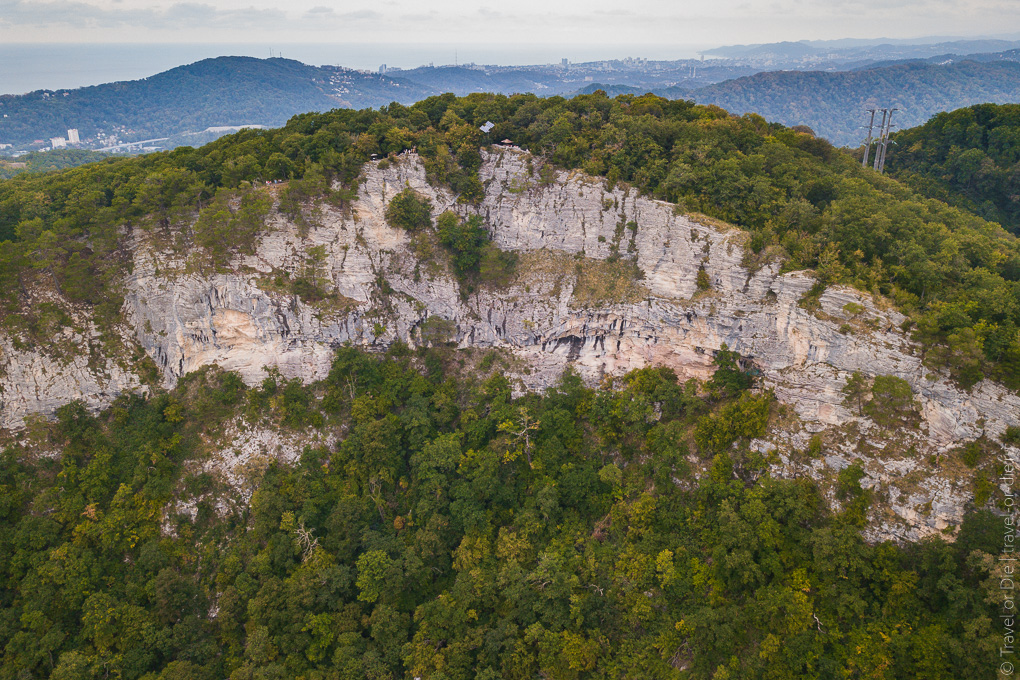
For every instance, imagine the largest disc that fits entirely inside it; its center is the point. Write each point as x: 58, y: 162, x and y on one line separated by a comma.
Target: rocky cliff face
x: 568, y: 305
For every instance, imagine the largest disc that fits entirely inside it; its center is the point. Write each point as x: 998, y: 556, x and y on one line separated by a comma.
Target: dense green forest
x: 445, y: 531
x: 833, y: 104
x: 190, y: 98
x: 45, y: 161
x: 969, y: 158
x: 804, y: 202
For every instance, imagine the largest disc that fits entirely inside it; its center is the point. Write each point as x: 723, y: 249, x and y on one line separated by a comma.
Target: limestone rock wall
x: 243, y: 322
x: 38, y: 383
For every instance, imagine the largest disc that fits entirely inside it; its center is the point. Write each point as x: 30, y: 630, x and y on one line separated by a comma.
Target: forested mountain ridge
x: 969, y: 158
x: 842, y: 51
x: 833, y: 104
x: 225, y: 91
x: 233, y: 91
x: 283, y: 503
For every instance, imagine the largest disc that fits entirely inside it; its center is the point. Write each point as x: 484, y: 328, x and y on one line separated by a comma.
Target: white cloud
x: 525, y: 21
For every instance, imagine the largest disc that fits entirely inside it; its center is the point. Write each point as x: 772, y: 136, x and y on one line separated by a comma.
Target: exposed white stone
x: 236, y: 320
x: 37, y: 382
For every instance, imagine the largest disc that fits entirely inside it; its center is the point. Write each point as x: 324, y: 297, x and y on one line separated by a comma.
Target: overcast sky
x: 629, y: 22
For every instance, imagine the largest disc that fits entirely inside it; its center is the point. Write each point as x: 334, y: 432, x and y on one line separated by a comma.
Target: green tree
x: 465, y: 241
x: 855, y: 391
x: 892, y: 403
x: 729, y: 378
x: 408, y: 210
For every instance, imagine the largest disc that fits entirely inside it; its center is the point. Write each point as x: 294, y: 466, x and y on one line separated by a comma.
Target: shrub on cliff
x: 729, y: 378
x: 892, y: 403
x: 475, y: 258
x: 409, y: 210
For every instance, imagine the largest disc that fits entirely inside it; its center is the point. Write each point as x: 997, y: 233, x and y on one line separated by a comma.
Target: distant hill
x: 859, y: 49
x: 180, y: 105
x: 464, y: 80
x: 1005, y: 55
x: 969, y: 158
x: 902, y: 51
x: 783, y: 49
x: 213, y: 92
x: 833, y: 103
x: 940, y: 60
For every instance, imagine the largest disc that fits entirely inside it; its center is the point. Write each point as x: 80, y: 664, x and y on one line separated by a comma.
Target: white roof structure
x: 488, y: 126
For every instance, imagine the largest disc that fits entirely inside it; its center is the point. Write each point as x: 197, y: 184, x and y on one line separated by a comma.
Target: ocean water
x: 28, y: 67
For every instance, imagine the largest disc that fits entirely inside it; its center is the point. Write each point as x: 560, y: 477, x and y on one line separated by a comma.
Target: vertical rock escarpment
x: 239, y: 321
x: 242, y: 320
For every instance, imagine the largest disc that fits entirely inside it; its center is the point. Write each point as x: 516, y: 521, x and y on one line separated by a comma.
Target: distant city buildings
x: 382, y: 69
x: 72, y: 136
x: 58, y: 142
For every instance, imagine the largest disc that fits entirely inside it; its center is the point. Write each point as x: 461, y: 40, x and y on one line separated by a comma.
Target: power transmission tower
x: 885, y: 145
x: 881, y: 135
x: 867, y: 144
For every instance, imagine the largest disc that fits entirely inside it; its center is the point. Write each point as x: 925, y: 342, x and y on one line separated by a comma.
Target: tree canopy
x: 45, y: 161
x: 969, y: 158
x: 442, y: 529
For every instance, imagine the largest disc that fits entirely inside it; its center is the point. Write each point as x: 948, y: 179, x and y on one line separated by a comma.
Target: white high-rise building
x: 72, y: 136
x: 58, y: 142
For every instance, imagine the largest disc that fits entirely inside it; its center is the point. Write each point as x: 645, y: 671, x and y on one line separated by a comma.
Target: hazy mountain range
x: 835, y: 51
x: 833, y: 104
x: 186, y: 104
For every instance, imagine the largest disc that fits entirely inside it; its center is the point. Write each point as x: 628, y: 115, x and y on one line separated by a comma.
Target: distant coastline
x: 27, y: 67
